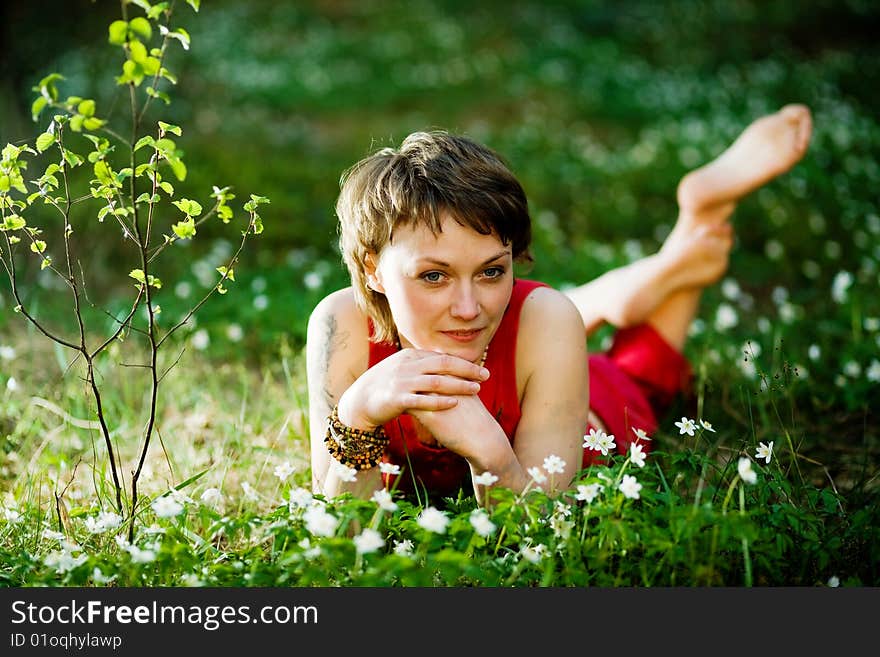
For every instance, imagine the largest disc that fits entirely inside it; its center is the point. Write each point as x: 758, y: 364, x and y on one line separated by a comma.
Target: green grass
x: 600, y: 114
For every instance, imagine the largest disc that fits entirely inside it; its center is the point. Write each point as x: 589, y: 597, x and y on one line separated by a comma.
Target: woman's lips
x: 463, y: 336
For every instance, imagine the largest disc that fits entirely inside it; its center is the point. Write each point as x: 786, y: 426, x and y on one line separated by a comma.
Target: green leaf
x: 185, y: 229
x: 156, y: 10
x: 118, y: 32
x: 86, y: 107
x: 137, y: 52
x: 194, y: 4
x: 167, y: 187
x: 38, y: 246
x: 46, y: 263
x: 38, y: 106
x: 168, y: 127
x: 189, y: 207
x: 144, y: 141
x: 76, y: 122
x: 141, y: 26
x: 92, y: 123
x: 13, y: 222
x: 179, y: 169
x: 103, y: 173
x: 44, y: 141
x: 138, y: 275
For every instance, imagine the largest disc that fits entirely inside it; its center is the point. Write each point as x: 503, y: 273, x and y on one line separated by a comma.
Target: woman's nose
x: 465, y: 304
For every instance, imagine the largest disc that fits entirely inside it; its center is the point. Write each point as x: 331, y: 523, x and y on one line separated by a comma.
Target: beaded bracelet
x: 352, y: 447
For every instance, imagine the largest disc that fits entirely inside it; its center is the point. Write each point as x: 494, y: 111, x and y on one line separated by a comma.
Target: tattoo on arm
x: 336, y: 340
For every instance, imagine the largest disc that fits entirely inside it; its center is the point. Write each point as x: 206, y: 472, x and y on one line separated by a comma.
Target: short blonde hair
x: 431, y: 173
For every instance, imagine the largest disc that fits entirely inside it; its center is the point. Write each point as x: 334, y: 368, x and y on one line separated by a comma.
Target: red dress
x: 631, y: 385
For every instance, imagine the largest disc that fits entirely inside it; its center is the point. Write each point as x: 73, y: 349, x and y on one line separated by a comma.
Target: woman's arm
x: 553, y: 374
x: 337, y: 352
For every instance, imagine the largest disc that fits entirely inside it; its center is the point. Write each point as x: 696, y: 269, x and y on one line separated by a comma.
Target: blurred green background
x: 599, y: 107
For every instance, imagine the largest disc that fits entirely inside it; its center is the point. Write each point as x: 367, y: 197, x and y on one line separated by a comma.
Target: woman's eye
x: 494, y: 272
x: 432, y: 276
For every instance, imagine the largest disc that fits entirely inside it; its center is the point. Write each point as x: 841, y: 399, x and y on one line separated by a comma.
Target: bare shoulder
x: 551, y: 334
x: 338, y: 334
x: 545, y: 308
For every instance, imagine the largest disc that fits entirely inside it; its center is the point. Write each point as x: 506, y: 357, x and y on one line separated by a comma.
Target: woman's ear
x: 371, y: 265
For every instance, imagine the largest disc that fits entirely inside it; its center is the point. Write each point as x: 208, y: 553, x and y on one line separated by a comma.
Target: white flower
x: 284, y: 470
x: 554, y: 465
x: 383, y: 498
x: 309, y: 551
x: 744, y: 468
x: 12, y: 516
x: 141, y: 556
x: 319, y: 522
x: 344, y: 472
x: 588, y: 492
x: 53, y: 535
x: 481, y: 523
x: 234, y: 332
x: 6, y: 352
x: 533, y: 553
x: 11, y: 384
x: 166, y: 507
x: 606, y: 442
x: 485, y: 479
x: 873, y: 373
x: 852, y: 369
x: 637, y: 454
x: 537, y: 476
x: 389, y: 468
x: 200, y: 339
x: 594, y: 439
x: 403, y: 548
x: 764, y: 452
x: 64, y: 561
x: 840, y: 285
x: 368, y: 541
x: 261, y: 302
x: 100, y: 578
x: 630, y: 487
x: 313, y: 280
x: 561, y: 526
x: 686, y: 426
x: 834, y: 581
x: 104, y: 521
x: 640, y: 434
x: 433, y: 520
x: 249, y: 491
x: 707, y: 425
x: 725, y: 317
x: 814, y: 352
x: 300, y: 498
x: 211, y: 497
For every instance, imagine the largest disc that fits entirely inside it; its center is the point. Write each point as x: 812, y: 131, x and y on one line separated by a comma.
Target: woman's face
x: 447, y: 292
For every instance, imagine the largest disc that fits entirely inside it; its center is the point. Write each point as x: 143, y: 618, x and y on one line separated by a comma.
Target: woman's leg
x: 664, y: 289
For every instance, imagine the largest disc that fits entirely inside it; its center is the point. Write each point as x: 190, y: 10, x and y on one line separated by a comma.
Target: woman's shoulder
x: 339, y: 313
x: 548, y: 319
x: 543, y: 302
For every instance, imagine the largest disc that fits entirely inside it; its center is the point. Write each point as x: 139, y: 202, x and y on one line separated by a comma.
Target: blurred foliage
x: 598, y: 106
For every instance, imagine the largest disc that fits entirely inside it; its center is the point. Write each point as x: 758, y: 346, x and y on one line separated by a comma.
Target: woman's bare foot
x: 769, y: 147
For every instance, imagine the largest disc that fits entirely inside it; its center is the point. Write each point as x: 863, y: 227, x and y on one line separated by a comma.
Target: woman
x: 438, y: 366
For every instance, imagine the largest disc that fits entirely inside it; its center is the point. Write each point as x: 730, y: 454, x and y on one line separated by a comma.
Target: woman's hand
x: 468, y: 429
x: 409, y: 381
